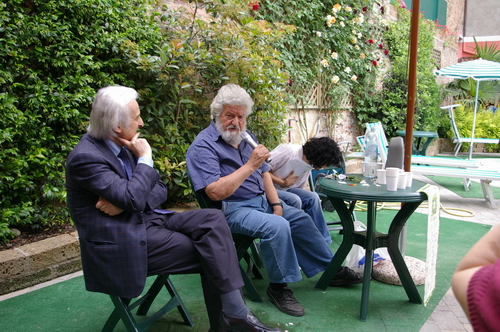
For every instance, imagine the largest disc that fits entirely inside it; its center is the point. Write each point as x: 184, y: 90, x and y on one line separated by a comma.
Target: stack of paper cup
x: 392, y: 177
x: 402, y: 180
x: 381, y: 176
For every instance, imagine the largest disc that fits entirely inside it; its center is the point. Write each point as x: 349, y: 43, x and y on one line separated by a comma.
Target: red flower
x: 386, y: 52
x: 290, y: 82
x: 255, y: 5
x: 374, y: 62
x: 380, y: 46
x: 370, y: 41
x: 365, y: 9
x: 382, y: 9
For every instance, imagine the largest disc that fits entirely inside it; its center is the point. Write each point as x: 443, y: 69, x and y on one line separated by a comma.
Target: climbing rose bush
x: 354, y: 44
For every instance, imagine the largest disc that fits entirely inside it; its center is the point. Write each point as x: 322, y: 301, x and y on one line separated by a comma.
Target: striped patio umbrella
x: 479, y: 70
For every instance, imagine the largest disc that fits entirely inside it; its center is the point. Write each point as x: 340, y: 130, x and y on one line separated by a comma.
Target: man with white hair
x: 230, y: 170
x: 114, y: 196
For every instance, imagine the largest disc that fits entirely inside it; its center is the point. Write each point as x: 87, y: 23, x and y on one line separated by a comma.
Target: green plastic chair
x: 123, y: 307
x: 243, y: 244
x: 314, y: 175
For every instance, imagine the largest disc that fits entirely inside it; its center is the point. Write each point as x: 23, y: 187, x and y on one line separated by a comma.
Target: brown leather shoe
x: 250, y: 324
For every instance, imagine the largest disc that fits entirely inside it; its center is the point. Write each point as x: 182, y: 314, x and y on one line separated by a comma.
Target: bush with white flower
x: 353, y: 42
x: 345, y: 48
x: 337, y: 44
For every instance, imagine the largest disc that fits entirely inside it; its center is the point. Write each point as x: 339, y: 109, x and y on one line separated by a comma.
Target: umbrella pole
x: 474, y: 121
x: 412, y: 84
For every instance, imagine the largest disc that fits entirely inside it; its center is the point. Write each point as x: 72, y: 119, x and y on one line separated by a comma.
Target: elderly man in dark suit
x: 114, y: 194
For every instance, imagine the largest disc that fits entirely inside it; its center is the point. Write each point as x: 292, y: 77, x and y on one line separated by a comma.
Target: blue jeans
x: 309, y: 202
x: 285, y: 242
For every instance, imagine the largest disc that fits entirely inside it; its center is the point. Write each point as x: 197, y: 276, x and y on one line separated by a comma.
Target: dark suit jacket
x: 113, y: 249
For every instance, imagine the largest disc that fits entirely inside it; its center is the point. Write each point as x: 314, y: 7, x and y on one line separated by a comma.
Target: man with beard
x: 232, y: 171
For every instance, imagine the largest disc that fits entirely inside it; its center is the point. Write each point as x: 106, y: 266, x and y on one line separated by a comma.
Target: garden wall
x: 37, y: 262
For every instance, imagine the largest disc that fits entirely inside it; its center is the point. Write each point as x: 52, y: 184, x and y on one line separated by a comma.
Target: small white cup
x: 391, y: 178
x: 381, y: 176
x: 409, y: 179
x: 392, y: 171
x: 402, y: 180
x: 392, y: 182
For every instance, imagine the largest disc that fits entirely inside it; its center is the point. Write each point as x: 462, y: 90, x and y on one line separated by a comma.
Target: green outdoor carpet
x: 67, y: 306
x: 457, y: 186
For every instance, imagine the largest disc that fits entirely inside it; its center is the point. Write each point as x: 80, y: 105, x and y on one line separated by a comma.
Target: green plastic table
x: 420, y: 148
x: 338, y: 192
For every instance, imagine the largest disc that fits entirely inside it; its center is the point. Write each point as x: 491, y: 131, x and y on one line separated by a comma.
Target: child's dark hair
x: 322, y: 151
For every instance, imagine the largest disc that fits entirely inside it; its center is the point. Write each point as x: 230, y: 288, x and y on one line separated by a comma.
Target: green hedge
x: 54, y: 55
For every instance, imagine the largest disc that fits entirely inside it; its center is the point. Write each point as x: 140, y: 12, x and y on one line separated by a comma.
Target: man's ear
x: 117, y: 130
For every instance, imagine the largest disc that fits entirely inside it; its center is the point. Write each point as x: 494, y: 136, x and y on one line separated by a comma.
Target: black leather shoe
x: 284, y: 300
x: 250, y: 324
x: 346, y: 276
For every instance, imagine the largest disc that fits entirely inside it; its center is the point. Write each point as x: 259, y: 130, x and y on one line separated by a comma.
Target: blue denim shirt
x: 209, y: 158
